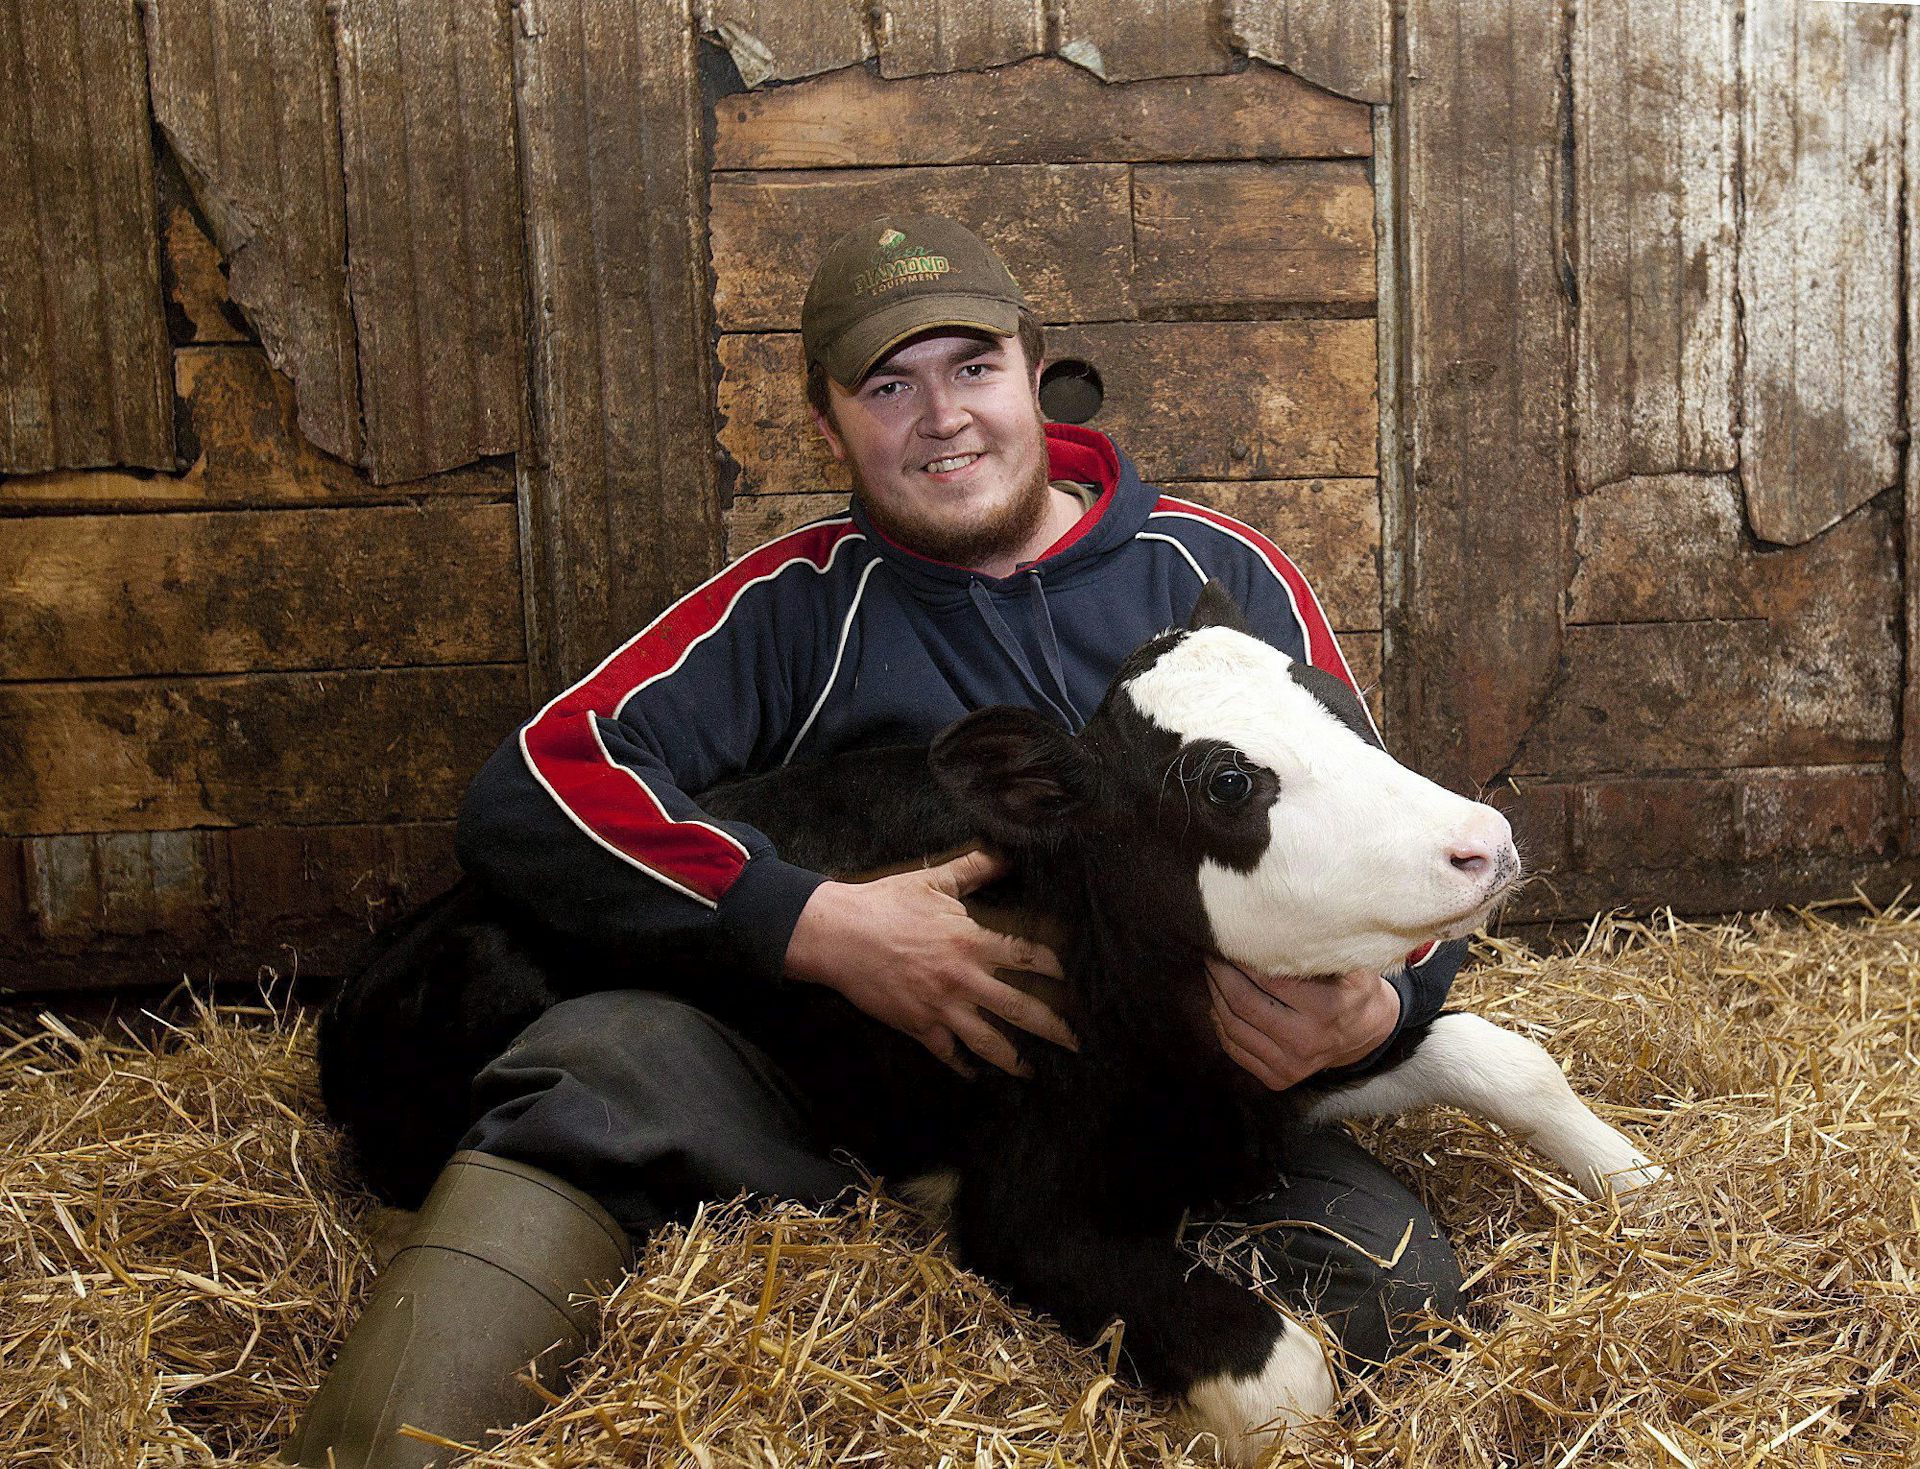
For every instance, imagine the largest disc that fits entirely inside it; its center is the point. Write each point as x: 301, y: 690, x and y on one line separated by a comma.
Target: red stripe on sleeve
x: 608, y: 801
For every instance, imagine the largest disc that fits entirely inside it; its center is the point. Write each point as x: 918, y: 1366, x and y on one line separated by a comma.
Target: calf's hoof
x: 1250, y: 1414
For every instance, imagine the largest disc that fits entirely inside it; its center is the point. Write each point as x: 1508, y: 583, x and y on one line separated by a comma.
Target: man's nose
x: 942, y: 415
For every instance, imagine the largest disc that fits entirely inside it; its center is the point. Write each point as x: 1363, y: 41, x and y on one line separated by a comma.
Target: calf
x: 1223, y: 799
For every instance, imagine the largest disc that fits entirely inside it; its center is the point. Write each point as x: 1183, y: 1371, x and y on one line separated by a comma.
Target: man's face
x: 947, y: 446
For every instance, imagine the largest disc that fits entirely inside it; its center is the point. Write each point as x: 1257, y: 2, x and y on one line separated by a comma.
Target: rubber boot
x: 482, y: 1287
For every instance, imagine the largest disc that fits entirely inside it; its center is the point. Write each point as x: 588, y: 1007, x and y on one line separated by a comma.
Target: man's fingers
x: 966, y: 872
x: 1249, y: 1062
x: 1240, y: 996
x: 947, y: 1049
x: 1251, y: 1039
x: 989, y: 1044
x: 1017, y: 953
x: 1017, y: 1007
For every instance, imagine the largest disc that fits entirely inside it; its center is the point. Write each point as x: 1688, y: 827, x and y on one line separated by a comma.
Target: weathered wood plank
x: 199, y: 309
x: 783, y: 40
x: 1041, y: 111
x: 1285, y: 400
x: 753, y: 520
x: 110, y: 910
x: 1910, y: 702
x: 164, y: 755
x: 1063, y: 231
x: 246, y: 96
x: 84, y: 360
x: 1655, y: 125
x: 1342, y: 45
x: 622, y: 510
x: 1126, y: 40
x: 1482, y: 399
x: 118, y: 596
x: 915, y: 37
x: 1329, y: 528
x: 247, y: 450
x: 433, y: 214
x: 1239, y: 239
x: 1820, y: 263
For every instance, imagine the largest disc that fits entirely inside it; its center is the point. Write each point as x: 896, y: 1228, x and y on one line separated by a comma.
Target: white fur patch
x: 1358, y: 870
x: 1249, y: 1415
x: 1471, y: 1063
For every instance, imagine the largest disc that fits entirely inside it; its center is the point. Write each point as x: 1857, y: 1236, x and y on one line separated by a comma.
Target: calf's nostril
x: 1470, y: 861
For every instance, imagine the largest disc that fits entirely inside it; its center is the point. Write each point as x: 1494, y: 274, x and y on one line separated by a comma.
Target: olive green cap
x: 895, y: 277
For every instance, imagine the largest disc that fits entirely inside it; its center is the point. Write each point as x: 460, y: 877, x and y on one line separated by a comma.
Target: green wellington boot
x: 481, y: 1288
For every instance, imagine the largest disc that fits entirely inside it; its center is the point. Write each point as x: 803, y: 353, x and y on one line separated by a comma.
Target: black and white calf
x: 1223, y: 799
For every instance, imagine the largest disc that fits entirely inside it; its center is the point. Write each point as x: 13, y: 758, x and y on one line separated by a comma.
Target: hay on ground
x: 184, y: 1246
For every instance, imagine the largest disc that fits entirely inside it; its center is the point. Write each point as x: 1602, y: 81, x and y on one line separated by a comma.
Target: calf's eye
x: 1229, y: 787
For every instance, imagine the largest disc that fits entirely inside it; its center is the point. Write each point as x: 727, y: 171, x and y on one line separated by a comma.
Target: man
x: 987, y: 558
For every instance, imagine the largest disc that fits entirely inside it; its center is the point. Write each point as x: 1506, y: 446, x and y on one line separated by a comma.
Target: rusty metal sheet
x: 783, y: 40
x: 915, y: 37
x: 1041, y: 111
x: 246, y: 96
x: 85, y: 370
x: 1126, y: 40
x: 1820, y: 257
x: 1343, y: 45
x: 623, y: 506
x: 434, y: 224
x: 1655, y: 128
x: 1483, y: 395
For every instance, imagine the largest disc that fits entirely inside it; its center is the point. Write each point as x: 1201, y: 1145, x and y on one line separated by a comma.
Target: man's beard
x: 1005, y: 531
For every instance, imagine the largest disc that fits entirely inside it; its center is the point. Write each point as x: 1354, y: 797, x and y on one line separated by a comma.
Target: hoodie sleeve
x: 583, y: 819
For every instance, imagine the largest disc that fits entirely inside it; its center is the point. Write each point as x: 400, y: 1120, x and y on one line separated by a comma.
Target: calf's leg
x: 1471, y: 1063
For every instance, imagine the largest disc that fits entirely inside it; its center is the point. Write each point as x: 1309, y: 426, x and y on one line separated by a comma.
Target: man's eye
x: 1229, y: 787
x: 976, y: 369
x: 887, y: 390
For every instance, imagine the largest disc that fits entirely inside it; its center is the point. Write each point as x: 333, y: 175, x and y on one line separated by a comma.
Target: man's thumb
x: 967, y: 871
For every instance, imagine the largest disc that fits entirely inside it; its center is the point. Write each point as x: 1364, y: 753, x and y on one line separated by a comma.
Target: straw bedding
x: 183, y: 1247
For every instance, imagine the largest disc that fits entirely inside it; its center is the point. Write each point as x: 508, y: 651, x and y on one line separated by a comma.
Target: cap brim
x: 850, y: 356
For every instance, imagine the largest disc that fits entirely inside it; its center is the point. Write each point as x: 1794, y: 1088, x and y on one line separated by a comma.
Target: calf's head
x: 1233, y: 799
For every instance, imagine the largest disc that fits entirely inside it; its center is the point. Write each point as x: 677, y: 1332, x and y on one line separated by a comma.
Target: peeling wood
x: 784, y: 40
x: 168, y: 754
x: 117, y: 596
x: 1286, y: 400
x: 1343, y: 45
x: 915, y: 37
x: 1245, y: 239
x: 1063, y: 231
x: 620, y: 498
x: 1041, y: 111
x: 200, y: 311
x: 247, y: 451
x: 433, y: 217
x: 1820, y: 263
x: 247, y: 98
x: 1127, y: 40
x: 1655, y: 130
x: 84, y: 361
x: 1483, y: 400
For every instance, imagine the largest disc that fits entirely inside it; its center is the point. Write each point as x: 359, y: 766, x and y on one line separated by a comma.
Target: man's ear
x: 1216, y: 608
x: 829, y: 433
x: 1014, y: 772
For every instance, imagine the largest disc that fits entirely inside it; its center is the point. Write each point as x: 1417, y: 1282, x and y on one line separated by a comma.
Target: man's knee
x: 611, y: 1039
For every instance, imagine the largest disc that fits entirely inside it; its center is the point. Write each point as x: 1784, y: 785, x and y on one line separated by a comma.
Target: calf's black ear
x: 1013, y: 771
x: 1216, y: 608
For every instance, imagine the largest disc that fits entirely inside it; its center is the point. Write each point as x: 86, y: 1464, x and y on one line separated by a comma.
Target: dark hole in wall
x: 1070, y: 390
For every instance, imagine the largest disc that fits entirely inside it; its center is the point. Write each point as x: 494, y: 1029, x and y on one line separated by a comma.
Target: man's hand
x: 905, y: 950
x: 1284, y: 1029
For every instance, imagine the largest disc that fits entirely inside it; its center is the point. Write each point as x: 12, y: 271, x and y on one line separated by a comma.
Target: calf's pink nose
x: 1477, y: 849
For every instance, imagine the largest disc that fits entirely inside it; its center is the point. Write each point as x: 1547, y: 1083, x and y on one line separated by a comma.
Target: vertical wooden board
x: 1126, y: 40
x: 85, y: 372
x: 1910, y: 698
x: 1486, y: 323
x: 1820, y: 262
x: 782, y: 40
x: 623, y: 512
x: 1343, y: 45
x: 1244, y: 239
x: 1063, y: 230
x: 919, y: 36
x: 433, y: 228
x: 1654, y: 130
x: 1041, y: 111
x: 247, y: 98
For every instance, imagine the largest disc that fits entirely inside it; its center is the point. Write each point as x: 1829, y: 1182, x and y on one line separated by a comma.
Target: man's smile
x: 950, y: 465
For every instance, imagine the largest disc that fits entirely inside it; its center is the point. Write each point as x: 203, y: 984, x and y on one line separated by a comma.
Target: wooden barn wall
x: 435, y: 346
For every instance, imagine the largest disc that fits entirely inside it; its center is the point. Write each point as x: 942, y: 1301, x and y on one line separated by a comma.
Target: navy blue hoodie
x: 832, y: 637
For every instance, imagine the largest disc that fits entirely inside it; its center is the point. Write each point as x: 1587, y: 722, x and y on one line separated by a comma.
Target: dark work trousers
x: 652, y: 1107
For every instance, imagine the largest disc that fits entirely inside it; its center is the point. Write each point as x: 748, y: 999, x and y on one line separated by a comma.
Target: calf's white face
x: 1331, y: 855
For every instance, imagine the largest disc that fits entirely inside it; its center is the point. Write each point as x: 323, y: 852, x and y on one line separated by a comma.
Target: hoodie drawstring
x: 1062, y: 707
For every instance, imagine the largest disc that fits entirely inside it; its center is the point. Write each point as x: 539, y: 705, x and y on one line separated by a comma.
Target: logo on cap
x: 890, y: 239
x: 898, y: 263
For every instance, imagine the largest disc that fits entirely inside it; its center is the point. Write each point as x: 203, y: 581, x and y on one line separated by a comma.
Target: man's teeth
x: 941, y: 466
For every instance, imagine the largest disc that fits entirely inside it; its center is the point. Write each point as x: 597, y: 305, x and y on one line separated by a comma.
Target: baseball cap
x: 897, y: 276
